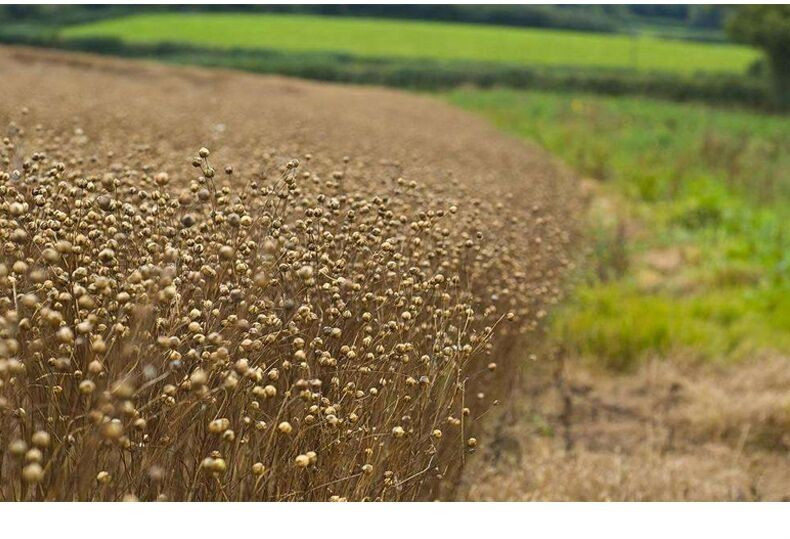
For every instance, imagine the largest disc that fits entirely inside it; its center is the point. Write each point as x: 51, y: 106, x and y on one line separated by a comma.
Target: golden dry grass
x: 320, y: 307
x: 669, y: 432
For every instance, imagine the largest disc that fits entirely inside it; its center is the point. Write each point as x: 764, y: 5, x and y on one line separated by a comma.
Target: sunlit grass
x: 411, y: 39
x: 616, y: 324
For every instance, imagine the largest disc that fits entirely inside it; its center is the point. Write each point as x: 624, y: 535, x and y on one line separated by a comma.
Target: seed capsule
x: 33, y: 473
x: 40, y: 438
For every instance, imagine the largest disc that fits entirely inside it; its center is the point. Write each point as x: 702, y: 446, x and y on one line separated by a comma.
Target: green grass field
x: 692, y: 250
x: 411, y: 39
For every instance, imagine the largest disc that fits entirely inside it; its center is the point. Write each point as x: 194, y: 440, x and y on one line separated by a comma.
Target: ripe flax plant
x: 295, y: 332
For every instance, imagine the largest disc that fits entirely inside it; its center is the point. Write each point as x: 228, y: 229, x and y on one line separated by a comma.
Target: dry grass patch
x: 664, y: 433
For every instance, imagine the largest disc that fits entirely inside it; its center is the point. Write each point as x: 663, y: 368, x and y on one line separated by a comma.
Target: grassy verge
x: 692, y: 247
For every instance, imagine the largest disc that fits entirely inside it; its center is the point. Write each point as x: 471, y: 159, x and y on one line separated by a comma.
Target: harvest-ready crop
x: 297, y: 332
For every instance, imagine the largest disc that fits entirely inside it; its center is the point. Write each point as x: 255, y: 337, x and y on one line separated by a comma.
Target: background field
x: 667, y: 52
x: 429, y: 40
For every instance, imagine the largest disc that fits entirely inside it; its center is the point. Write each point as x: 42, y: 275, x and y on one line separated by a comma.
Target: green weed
x: 706, y: 266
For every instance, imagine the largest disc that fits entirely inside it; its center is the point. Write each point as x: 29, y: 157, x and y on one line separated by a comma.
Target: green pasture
x: 424, y: 40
